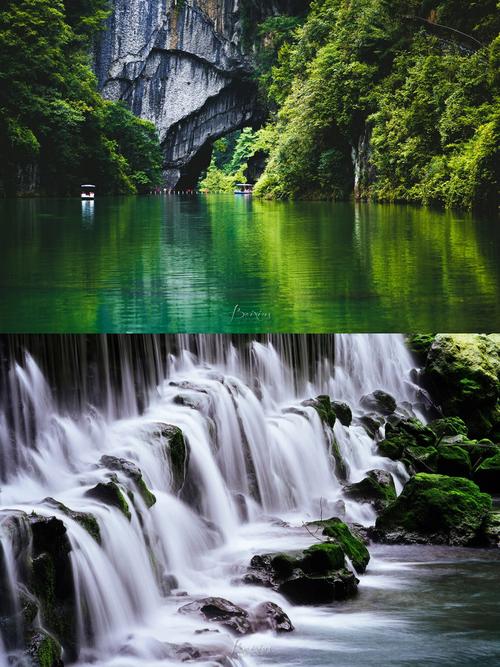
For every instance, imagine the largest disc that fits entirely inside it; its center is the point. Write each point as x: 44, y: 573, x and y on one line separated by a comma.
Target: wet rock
x: 131, y: 471
x: 220, y: 611
x: 435, y: 509
x: 410, y: 440
x: 377, y: 488
x: 343, y: 412
x: 86, y: 519
x: 310, y: 590
x: 371, y: 424
x: 188, y: 401
x: 352, y: 546
x: 176, y: 450
x: 51, y: 579
x: 168, y: 584
x: 448, y: 427
x: 379, y: 401
x: 43, y: 650
x: 269, y: 616
x: 316, y: 575
x: 324, y: 408
x: 110, y: 493
x: 340, y: 464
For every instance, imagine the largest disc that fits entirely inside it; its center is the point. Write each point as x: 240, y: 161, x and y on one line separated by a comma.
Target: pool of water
x: 224, y: 264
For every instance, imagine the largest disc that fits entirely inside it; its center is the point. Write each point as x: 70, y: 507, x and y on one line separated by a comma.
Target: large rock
x: 85, y: 519
x: 109, y: 493
x: 222, y: 611
x: 463, y: 376
x: 435, y: 509
x: 316, y: 575
x: 377, y: 488
x: 269, y: 616
x: 379, y: 401
x: 132, y: 472
x: 351, y: 544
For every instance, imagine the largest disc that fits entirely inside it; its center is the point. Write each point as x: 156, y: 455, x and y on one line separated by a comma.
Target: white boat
x: 243, y: 189
x: 88, y: 191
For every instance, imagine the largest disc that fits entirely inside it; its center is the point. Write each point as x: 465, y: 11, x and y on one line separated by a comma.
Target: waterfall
x: 256, y: 451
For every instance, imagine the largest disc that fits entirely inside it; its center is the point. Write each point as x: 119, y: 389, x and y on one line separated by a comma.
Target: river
x: 228, y: 264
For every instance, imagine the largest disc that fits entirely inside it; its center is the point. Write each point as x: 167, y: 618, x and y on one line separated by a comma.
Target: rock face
x: 181, y: 65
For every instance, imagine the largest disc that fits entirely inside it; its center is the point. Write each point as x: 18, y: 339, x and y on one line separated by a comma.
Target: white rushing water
x: 256, y: 454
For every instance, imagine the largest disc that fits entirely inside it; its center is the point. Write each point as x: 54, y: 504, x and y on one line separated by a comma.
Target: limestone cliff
x: 181, y: 65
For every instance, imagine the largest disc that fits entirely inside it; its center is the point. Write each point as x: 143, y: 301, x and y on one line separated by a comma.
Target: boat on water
x: 244, y: 189
x: 88, y: 192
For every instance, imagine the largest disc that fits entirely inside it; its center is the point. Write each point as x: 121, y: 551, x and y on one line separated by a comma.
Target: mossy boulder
x: 448, y: 427
x: 377, y: 488
x: 324, y: 408
x: 86, y: 519
x: 462, y: 373
x: 435, y: 509
x: 343, y: 412
x: 407, y: 439
x: 132, y: 472
x: 110, y: 493
x: 487, y: 474
x: 316, y: 575
x: 379, y: 401
x: 351, y: 545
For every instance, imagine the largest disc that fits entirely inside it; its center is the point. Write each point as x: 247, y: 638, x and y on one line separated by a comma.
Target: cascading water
x: 251, y: 450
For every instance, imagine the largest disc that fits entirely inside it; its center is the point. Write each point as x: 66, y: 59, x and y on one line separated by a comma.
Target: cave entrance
x: 223, y: 162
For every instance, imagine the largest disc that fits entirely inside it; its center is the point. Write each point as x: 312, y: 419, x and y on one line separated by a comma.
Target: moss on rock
x: 463, y: 375
x: 324, y: 408
x: 354, y: 548
x: 379, y: 401
x: 132, y: 472
x: 453, y: 460
x: 44, y: 651
x: 436, y: 508
x: 110, y: 493
x: 376, y: 488
x: 86, y: 519
x: 176, y: 451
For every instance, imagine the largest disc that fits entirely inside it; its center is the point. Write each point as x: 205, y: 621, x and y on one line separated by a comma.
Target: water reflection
x: 182, y: 264
x: 87, y: 213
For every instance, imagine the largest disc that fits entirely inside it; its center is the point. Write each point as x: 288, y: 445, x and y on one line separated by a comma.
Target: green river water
x: 221, y: 263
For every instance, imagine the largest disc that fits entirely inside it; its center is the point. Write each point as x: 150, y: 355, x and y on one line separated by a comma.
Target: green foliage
x: 230, y: 159
x: 426, y: 94
x: 52, y: 120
